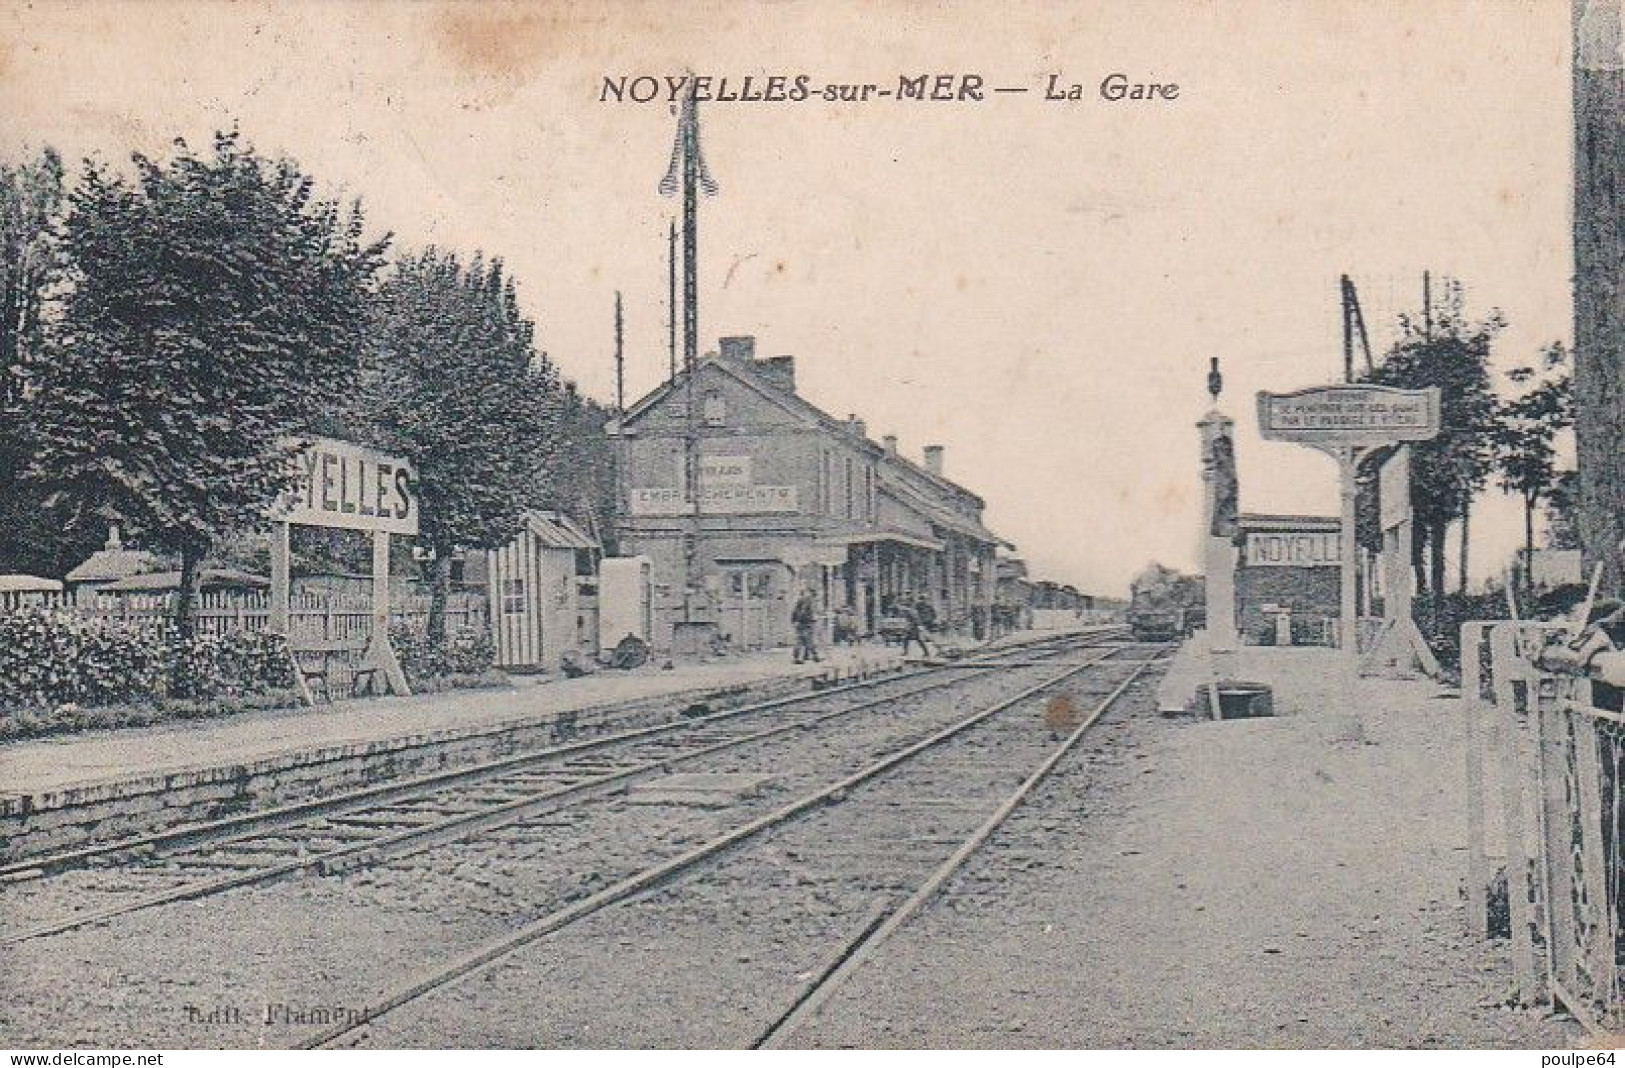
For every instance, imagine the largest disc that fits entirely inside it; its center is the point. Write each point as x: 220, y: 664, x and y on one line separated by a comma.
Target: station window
x: 716, y: 409
x: 513, y: 597
x: 829, y: 482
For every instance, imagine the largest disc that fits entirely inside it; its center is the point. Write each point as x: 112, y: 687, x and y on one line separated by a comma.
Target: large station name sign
x: 1350, y: 415
x: 1306, y: 548
x: 341, y: 484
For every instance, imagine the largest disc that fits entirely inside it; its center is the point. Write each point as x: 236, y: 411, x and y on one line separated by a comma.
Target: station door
x: 753, y: 606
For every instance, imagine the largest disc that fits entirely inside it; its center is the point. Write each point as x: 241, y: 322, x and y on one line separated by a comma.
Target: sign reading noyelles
x: 349, y: 486
x: 1297, y: 548
x: 1350, y: 415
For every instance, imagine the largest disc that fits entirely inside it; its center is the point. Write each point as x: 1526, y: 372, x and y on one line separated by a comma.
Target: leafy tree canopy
x: 458, y: 387
x: 1451, y: 352
x: 215, y: 308
x: 1525, y: 434
x: 31, y: 202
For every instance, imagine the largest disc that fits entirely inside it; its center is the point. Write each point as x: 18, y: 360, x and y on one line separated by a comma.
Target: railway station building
x: 1287, y: 579
x: 790, y: 497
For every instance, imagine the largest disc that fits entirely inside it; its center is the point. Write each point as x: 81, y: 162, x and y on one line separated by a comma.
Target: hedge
x: 60, y: 671
x: 468, y: 654
x: 53, y: 658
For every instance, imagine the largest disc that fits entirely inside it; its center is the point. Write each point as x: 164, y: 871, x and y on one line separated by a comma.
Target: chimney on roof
x: 780, y: 371
x: 857, y: 426
x: 933, y: 460
x: 741, y: 348
x: 890, y: 441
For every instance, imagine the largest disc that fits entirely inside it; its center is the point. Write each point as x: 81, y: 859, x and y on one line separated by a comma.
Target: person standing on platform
x: 915, y: 631
x: 804, y: 615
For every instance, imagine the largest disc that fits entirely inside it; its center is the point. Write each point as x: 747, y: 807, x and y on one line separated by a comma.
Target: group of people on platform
x: 902, y: 620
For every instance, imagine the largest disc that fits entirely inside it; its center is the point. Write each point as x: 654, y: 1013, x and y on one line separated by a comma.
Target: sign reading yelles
x: 352, y: 487
x: 1316, y: 548
x: 1353, y: 415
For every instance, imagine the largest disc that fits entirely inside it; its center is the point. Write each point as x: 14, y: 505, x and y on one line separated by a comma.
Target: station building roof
x: 558, y: 531
x: 748, y: 372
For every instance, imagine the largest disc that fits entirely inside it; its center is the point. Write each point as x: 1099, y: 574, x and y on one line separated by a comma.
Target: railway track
x: 890, y: 798
x: 368, y: 826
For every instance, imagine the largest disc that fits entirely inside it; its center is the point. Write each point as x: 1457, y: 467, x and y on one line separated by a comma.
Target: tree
x: 30, y: 204
x: 1524, y: 438
x: 215, y: 308
x: 1447, y: 350
x: 580, y: 471
x: 1562, y: 512
x: 31, y: 200
x: 459, y: 388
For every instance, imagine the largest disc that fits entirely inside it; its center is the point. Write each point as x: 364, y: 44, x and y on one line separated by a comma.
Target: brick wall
x: 1308, y: 592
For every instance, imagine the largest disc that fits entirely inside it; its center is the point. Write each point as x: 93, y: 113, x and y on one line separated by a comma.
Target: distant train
x: 1165, y: 605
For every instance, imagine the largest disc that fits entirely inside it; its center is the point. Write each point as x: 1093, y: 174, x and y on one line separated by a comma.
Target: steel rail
x: 874, y: 933
x: 484, y: 956
x: 453, y: 828
x: 231, y: 828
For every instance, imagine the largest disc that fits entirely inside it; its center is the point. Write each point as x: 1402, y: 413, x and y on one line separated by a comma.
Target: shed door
x: 516, y: 614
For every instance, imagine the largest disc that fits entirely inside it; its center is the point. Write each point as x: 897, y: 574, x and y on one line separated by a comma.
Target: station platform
x: 1291, y: 881
x: 69, y: 789
x: 58, y: 762
x: 1301, y: 676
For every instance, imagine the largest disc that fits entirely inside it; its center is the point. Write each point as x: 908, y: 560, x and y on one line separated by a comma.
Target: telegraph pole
x: 671, y: 302
x: 620, y: 358
x: 1427, y: 305
x: 1348, y: 330
x: 1353, y: 325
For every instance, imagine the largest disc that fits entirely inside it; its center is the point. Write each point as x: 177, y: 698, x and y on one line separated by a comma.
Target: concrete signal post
x: 1218, y: 551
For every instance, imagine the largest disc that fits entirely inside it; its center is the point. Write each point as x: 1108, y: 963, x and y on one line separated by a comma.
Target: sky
x: 1036, y: 285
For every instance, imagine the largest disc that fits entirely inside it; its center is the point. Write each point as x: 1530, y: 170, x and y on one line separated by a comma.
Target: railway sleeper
x: 348, y: 862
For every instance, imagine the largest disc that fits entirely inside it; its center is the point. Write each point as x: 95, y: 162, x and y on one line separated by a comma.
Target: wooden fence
x: 313, y: 614
x: 1544, y: 776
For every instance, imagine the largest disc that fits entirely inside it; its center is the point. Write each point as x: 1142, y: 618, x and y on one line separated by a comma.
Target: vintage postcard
x: 588, y: 524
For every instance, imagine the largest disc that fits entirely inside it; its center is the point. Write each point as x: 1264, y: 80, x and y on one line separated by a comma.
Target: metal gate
x: 1544, y: 764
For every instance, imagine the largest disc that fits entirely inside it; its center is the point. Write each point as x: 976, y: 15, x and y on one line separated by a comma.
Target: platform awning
x: 895, y: 536
x: 942, y: 517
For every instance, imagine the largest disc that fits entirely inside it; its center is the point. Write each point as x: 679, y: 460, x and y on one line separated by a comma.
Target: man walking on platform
x: 804, y: 615
x: 927, y: 613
